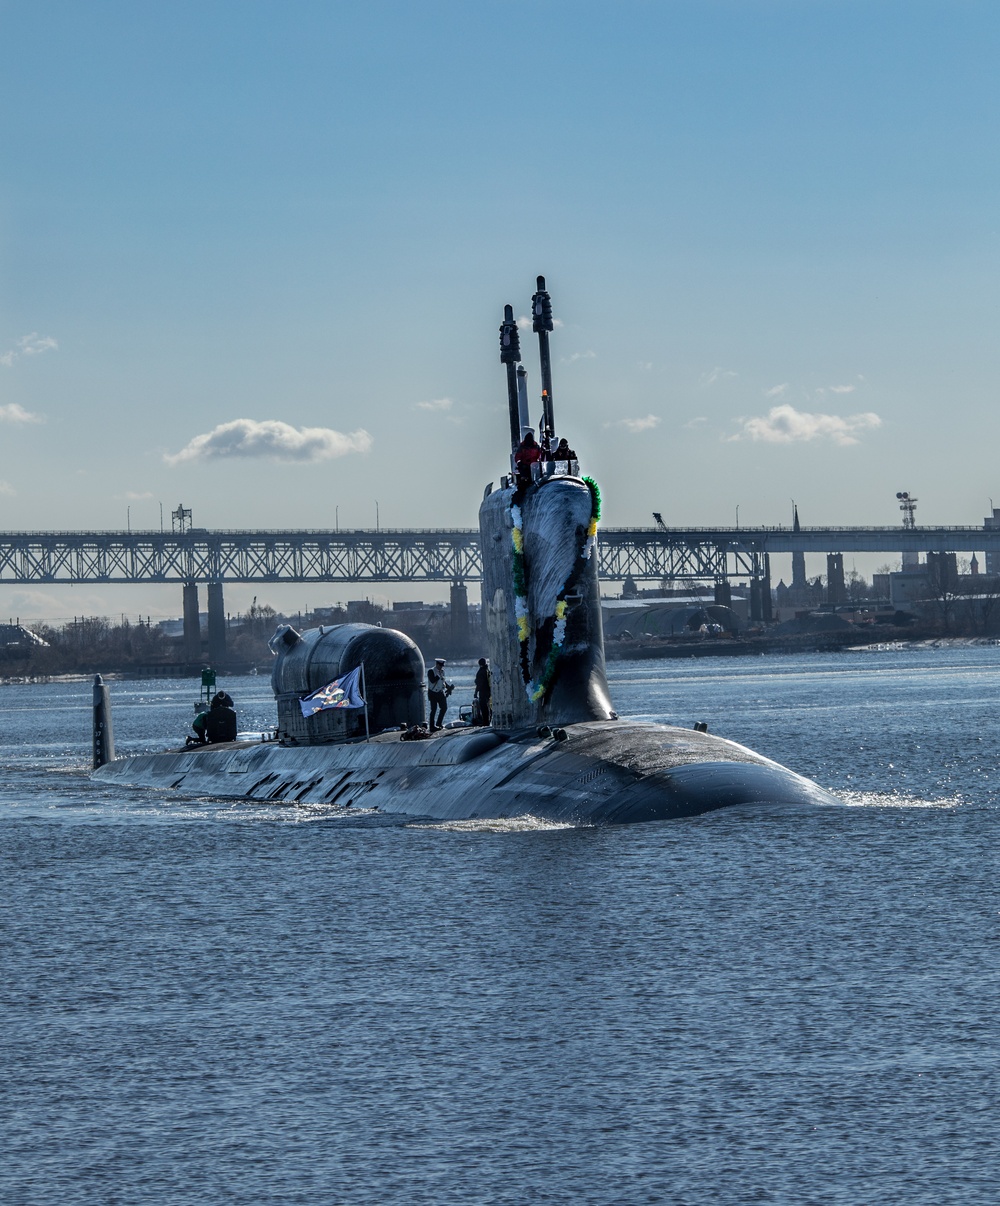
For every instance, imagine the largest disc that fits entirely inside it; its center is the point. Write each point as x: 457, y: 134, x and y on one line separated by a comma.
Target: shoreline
x: 619, y: 651
x: 762, y: 646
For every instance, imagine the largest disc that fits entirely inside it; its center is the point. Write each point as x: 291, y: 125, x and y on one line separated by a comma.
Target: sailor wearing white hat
x: 438, y: 690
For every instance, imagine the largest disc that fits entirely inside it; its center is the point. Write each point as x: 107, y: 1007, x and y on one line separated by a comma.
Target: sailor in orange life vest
x: 438, y: 690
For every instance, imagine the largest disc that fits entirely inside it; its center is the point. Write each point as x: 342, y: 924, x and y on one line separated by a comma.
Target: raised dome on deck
x: 393, y: 672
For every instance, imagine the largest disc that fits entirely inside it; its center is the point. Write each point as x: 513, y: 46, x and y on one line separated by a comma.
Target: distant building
x: 799, y: 589
x: 16, y: 636
x: 942, y: 572
x: 992, y: 559
x: 907, y: 588
x: 630, y: 613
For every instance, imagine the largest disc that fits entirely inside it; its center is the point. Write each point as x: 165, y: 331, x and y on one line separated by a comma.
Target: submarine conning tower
x: 541, y: 595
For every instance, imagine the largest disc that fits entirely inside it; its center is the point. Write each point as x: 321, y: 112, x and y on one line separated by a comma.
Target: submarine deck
x: 602, y: 772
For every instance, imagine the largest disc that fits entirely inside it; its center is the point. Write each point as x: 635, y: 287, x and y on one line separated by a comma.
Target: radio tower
x: 908, y: 505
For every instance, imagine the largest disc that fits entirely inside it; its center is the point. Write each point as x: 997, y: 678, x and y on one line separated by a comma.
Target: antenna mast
x: 541, y: 311
x: 510, y: 354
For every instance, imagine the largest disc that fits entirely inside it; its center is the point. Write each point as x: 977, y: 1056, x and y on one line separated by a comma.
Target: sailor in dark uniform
x: 481, y: 699
x: 220, y: 724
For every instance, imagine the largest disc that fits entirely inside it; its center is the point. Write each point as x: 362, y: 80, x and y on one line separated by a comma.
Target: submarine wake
x: 520, y: 824
x: 875, y: 799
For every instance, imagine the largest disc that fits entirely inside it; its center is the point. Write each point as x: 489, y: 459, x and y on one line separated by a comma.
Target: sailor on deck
x: 481, y: 699
x: 220, y: 724
x: 438, y: 690
x: 198, y: 724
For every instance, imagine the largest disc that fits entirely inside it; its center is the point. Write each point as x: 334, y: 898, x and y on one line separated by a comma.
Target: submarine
x: 554, y: 749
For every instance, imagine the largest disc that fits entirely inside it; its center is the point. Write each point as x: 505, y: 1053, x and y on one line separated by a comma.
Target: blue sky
x: 770, y: 231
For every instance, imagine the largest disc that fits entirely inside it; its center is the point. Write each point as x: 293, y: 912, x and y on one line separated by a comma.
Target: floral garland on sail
x: 539, y: 689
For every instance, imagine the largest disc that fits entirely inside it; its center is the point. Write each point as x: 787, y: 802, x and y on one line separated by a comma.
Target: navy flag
x: 343, y: 692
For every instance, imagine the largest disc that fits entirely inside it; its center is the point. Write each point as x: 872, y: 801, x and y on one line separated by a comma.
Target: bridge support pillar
x: 766, y: 608
x: 460, y: 617
x: 756, y: 610
x: 192, y: 624
x: 723, y: 593
x: 836, y: 591
x: 216, y: 625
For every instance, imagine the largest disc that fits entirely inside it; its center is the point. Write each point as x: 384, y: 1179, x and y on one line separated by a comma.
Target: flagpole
x: 364, y: 696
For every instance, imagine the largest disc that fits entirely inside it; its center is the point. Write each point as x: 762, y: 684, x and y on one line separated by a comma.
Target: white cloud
x: 634, y: 426
x: 691, y: 424
x: 34, y: 344
x: 842, y: 389
x: 786, y: 425
x: 243, y: 438
x: 134, y: 495
x: 645, y: 366
x: 29, y: 345
x: 8, y: 489
x: 588, y: 355
x: 714, y: 376
x: 437, y: 404
x: 526, y: 324
x: 34, y: 601
x: 776, y: 390
x: 12, y: 413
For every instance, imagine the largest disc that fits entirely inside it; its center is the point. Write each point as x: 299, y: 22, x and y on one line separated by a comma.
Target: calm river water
x: 214, y: 1002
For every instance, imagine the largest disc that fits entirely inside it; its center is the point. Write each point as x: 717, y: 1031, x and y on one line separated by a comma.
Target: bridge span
x: 432, y: 555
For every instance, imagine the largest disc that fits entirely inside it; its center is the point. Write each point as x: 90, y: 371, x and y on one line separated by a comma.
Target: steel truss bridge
x: 445, y: 555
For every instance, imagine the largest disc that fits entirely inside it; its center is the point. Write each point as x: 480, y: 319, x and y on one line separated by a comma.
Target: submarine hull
x: 601, y: 772
x: 555, y: 748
